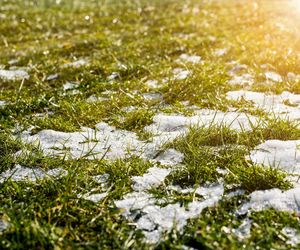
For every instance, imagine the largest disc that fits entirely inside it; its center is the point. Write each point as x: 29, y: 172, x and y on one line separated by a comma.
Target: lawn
x: 146, y: 124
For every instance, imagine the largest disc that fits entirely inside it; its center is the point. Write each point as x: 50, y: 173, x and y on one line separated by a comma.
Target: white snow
x: 101, y: 179
x: 70, y: 86
x: 274, y: 104
x: 175, y: 125
x: 2, y: 103
x: 76, y: 64
x: 111, y: 143
x: 274, y: 198
x: 104, y: 141
x: 244, y: 230
x: 180, y: 74
x: 13, y: 75
x: 153, y: 96
x: 113, y: 76
x: 220, y: 52
x: 155, y: 220
x: 292, y: 235
x: 152, y: 178
x: 170, y: 157
x: 94, y: 197
x: 152, y: 83
x: 273, y: 76
x: 189, y: 58
x: 243, y: 80
x: 52, y: 77
x: 20, y: 173
x: 284, y: 155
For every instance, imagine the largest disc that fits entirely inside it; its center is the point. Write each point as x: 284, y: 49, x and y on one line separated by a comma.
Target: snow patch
x: 276, y: 104
x: 155, y: 220
x: 293, y: 236
x: 180, y: 74
x: 76, y: 64
x: 13, y: 75
x: 94, y: 197
x: 243, y: 80
x: 274, y: 198
x: 284, y: 155
x: 20, y: 173
x: 273, y: 76
x: 244, y: 230
x: 170, y: 157
x: 151, y: 179
x: 189, y: 58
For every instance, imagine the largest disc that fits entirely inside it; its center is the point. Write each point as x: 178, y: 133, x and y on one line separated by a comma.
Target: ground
x: 170, y: 124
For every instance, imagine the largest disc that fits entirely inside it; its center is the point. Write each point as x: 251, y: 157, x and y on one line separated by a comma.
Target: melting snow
x: 170, y: 157
x: 273, y: 76
x: 152, y: 83
x: 284, y: 155
x: 153, y: 96
x: 274, y: 198
x: 13, y: 75
x: 220, y: 52
x: 243, y: 80
x: 190, y: 58
x: 151, y: 179
x: 19, y: 173
x: 94, y: 197
x: 180, y: 74
x: 2, y: 103
x: 70, y: 86
x: 271, y: 103
x: 244, y: 230
x: 293, y: 236
x: 154, y: 220
x: 76, y: 64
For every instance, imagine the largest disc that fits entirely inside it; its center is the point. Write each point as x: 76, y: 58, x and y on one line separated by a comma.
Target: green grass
x: 140, y: 40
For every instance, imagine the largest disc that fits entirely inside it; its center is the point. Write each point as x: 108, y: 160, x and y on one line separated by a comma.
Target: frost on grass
x: 284, y: 155
x: 274, y: 198
x: 13, y: 75
x: 20, y: 173
x: 154, y: 220
x: 285, y: 105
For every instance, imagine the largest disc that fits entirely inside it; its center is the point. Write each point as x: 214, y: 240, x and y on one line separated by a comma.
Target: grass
x: 140, y: 40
